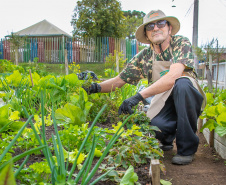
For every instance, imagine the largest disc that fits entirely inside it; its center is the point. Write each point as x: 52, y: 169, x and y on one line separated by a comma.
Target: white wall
x: 221, y: 74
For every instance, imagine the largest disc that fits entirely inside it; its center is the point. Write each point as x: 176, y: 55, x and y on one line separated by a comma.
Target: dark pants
x: 178, y: 118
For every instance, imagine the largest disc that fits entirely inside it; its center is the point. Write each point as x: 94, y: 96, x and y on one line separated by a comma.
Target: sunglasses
x: 159, y: 24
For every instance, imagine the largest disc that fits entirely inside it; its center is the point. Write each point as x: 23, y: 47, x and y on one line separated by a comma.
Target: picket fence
x: 52, y: 49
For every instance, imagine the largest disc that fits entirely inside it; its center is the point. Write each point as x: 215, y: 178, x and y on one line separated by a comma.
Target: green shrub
x: 6, y: 66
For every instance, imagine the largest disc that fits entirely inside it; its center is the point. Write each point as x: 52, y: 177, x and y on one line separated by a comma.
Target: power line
x: 189, y: 10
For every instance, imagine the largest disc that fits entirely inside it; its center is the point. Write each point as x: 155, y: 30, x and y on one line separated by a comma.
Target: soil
x: 208, y: 168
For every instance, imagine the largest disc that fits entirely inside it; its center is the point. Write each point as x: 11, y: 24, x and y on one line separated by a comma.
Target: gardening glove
x: 126, y: 106
x: 93, y: 88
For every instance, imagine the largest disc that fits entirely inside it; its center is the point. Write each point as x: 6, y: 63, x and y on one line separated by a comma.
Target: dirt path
x: 208, y: 168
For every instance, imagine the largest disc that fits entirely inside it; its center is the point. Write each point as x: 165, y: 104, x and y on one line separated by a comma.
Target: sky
x: 16, y: 15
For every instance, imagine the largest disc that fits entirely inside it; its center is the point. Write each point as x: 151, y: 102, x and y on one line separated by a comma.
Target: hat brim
x: 140, y: 30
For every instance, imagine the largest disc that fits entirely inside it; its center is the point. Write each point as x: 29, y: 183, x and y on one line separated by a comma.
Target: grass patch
x: 59, y: 69
x: 98, y: 69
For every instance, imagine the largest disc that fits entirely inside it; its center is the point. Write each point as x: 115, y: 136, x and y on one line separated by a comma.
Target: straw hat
x: 156, y: 15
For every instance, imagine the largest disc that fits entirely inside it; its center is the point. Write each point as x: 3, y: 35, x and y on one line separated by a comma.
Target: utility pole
x: 195, y: 31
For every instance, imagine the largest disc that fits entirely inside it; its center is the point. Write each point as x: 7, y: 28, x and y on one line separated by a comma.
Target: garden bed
x: 66, y: 111
x: 208, y: 168
x: 219, y: 143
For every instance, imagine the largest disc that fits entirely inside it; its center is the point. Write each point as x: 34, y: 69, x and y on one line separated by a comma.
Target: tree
x: 16, y: 42
x: 204, y: 52
x: 98, y: 18
x: 133, y: 20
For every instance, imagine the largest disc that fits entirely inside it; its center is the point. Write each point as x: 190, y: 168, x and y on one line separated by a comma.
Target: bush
x: 6, y: 66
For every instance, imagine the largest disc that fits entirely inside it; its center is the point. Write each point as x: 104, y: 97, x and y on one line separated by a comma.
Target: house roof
x: 43, y: 28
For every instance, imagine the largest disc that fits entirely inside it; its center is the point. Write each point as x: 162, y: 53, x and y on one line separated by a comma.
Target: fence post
x: 155, y: 172
x: 66, y: 61
x: 225, y: 75
x: 31, y: 78
x: 211, y: 139
x: 200, y: 124
x: 117, y: 62
x: 16, y: 57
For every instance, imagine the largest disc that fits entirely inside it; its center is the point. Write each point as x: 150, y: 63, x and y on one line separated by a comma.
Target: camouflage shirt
x: 140, y: 66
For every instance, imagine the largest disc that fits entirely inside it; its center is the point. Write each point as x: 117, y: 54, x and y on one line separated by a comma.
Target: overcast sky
x: 16, y: 15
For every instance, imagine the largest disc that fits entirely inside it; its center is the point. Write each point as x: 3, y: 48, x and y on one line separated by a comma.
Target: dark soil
x: 208, y: 168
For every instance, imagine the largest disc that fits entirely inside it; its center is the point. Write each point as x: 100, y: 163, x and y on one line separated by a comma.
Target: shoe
x: 166, y: 147
x: 180, y: 159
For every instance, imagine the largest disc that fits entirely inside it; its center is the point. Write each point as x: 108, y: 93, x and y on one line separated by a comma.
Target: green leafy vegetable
x: 7, y: 176
x: 130, y: 177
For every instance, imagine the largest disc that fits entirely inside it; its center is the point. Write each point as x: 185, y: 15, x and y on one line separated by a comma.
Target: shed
x: 44, y: 41
x: 42, y: 29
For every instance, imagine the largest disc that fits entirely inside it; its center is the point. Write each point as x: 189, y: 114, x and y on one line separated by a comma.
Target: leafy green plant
x: 110, y: 60
x: 58, y: 168
x: 130, y: 177
x: 111, y: 113
x: 139, y: 118
x: 133, y: 148
x: 20, y: 156
x: 73, y: 135
x: 110, y: 73
x: 215, y: 113
x: 7, y: 67
x: 9, y: 120
x: 17, y: 92
x: 41, y: 172
x: 164, y: 182
x: 7, y: 176
x: 110, y: 64
x: 27, y: 140
x: 76, y: 112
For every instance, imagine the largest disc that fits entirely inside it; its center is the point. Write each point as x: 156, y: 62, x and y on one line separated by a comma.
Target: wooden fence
x: 51, y: 49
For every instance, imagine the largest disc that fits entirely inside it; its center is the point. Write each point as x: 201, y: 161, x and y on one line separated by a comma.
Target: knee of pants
x: 156, y: 123
x: 182, y: 84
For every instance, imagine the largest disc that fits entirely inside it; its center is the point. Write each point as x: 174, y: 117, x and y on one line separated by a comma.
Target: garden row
x: 48, y: 132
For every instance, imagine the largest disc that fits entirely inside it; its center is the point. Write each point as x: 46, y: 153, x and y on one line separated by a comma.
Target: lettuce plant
x: 76, y: 112
x: 9, y: 120
x: 130, y: 177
